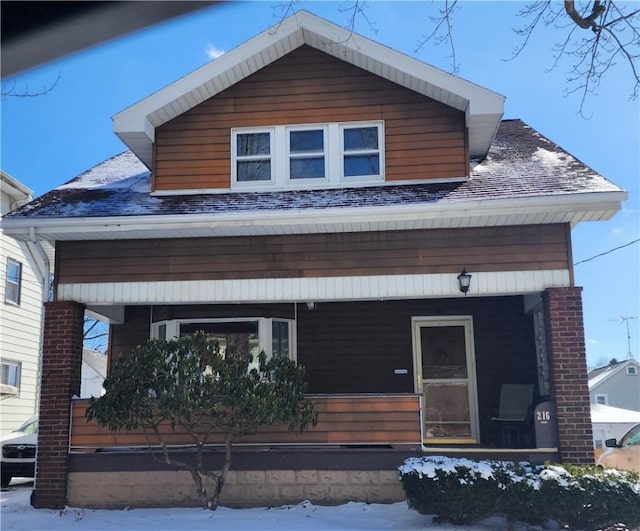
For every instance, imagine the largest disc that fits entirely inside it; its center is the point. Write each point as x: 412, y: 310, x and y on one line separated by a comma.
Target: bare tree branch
x: 13, y: 92
x: 443, y: 19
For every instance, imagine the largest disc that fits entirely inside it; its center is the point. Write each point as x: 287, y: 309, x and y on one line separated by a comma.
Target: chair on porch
x: 514, y: 413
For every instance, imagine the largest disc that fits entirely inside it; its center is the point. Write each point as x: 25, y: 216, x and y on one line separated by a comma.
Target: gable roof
x: 601, y: 374
x: 17, y: 191
x: 483, y: 108
x: 525, y: 179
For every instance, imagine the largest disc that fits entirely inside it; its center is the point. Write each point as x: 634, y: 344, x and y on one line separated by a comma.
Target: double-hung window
x: 361, y: 151
x: 307, y: 153
x: 312, y: 155
x: 13, y: 281
x: 253, y: 153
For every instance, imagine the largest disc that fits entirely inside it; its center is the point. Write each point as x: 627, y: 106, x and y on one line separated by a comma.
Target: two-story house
x: 22, y: 267
x: 323, y: 197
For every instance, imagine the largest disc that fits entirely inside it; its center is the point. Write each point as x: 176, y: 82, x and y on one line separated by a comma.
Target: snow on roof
x: 607, y: 414
x: 521, y: 164
x: 597, y: 376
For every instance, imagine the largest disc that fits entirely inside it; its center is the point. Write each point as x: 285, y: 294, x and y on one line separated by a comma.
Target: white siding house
x: 21, y: 299
x: 616, y: 385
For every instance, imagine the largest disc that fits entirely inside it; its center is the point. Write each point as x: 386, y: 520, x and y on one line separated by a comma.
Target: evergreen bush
x: 461, y: 491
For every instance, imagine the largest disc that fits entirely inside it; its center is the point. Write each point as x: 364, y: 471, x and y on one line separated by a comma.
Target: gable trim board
x: 483, y: 108
x: 591, y: 206
x: 367, y: 287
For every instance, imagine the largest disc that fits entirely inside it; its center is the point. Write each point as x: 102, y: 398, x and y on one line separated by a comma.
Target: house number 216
x: 543, y: 415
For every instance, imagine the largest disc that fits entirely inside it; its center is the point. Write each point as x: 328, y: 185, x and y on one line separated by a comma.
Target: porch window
x: 13, y: 281
x: 274, y: 337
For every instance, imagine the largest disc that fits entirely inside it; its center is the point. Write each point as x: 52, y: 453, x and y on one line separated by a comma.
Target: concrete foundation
x: 244, y: 488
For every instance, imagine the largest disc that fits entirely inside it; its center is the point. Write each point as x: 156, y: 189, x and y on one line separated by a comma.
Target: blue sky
x: 50, y: 139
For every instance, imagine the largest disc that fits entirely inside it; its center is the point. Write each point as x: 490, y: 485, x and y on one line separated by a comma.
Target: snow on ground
x: 17, y: 515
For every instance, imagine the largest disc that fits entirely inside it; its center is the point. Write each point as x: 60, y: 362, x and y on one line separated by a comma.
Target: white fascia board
x: 307, y: 220
x: 317, y: 289
x: 279, y: 40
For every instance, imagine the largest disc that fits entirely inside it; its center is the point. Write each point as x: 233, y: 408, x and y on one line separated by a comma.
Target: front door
x: 445, y: 369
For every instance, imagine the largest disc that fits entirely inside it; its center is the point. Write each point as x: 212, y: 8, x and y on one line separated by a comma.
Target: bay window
x: 246, y: 335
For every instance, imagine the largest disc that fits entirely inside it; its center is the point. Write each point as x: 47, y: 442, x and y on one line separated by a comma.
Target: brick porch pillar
x: 60, y: 380
x: 565, y: 337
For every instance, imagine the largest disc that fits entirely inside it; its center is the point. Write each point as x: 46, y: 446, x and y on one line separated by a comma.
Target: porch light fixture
x: 311, y: 305
x: 464, y: 280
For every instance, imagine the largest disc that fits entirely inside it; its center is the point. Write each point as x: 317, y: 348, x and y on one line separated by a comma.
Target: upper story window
x: 315, y: 155
x: 253, y: 156
x: 602, y: 399
x: 13, y: 281
x: 632, y: 370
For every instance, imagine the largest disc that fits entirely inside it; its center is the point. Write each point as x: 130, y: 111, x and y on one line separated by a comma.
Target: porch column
x: 60, y: 380
x: 565, y: 336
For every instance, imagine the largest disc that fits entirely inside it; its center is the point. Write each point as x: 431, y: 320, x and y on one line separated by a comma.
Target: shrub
x: 577, y: 497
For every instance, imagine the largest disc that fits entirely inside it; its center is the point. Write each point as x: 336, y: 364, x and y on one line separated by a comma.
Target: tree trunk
x: 215, y: 499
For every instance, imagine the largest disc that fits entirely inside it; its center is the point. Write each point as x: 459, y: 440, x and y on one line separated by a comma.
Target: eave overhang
x: 483, y: 108
x: 573, y: 209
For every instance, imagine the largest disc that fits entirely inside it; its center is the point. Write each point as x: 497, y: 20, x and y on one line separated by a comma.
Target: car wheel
x: 6, y: 479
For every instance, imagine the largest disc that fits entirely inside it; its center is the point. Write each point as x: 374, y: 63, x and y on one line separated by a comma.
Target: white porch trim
x: 312, y: 289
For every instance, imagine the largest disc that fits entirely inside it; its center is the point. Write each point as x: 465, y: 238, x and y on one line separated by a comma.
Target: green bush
x: 577, y: 497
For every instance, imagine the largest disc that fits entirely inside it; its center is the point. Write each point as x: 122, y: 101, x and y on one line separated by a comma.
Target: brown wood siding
x: 342, y: 420
x: 424, y: 138
x: 534, y: 247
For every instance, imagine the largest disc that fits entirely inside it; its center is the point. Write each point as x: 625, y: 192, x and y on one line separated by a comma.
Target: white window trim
x: 265, y: 335
x: 632, y: 370
x: 604, y: 396
x: 333, y: 152
x: 18, y: 284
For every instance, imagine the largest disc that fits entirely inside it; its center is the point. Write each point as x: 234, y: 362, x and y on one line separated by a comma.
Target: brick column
x: 60, y: 380
x: 565, y: 337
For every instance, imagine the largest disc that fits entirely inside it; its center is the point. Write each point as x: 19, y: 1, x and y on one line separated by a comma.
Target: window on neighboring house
x: 242, y: 335
x: 632, y: 370
x: 11, y: 377
x: 601, y: 399
x: 13, y: 281
x: 305, y: 156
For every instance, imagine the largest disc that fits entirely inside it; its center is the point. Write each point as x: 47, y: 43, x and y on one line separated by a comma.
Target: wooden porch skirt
x: 358, y: 419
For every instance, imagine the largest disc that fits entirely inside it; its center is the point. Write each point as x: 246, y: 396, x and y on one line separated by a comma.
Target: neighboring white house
x: 20, y: 317
x: 611, y: 423
x: 616, y: 385
x: 24, y: 273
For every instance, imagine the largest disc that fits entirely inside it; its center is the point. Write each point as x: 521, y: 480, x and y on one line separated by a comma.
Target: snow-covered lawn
x: 18, y: 515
